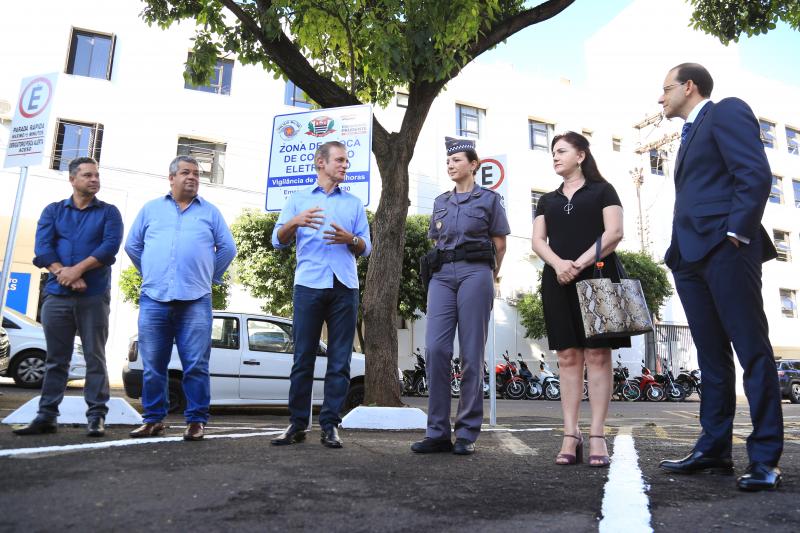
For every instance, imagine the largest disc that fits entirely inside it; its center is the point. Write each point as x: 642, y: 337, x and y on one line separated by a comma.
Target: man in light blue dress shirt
x: 180, y: 244
x: 331, y: 230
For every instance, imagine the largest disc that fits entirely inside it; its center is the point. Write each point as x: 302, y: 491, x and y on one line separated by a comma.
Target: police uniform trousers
x: 461, y: 295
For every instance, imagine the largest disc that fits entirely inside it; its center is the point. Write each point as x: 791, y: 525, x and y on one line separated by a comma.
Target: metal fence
x: 673, y: 343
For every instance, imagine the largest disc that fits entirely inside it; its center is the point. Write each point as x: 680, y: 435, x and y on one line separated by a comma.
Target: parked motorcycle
x: 651, y: 390
x: 625, y: 388
x: 550, y: 384
x: 690, y: 381
x: 455, y: 377
x: 415, y: 381
x: 486, y: 390
x: 533, y: 388
x: 674, y: 392
x: 509, y: 384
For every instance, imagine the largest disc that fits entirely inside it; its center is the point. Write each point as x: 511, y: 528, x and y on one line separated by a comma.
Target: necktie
x: 685, y: 131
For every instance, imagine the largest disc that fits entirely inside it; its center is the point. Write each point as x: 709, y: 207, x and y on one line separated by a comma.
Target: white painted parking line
x: 684, y: 414
x: 625, y: 503
x: 512, y: 430
x: 119, y: 443
x: 514, y: 445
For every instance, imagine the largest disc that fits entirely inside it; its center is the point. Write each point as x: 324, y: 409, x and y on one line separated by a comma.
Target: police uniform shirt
x: 463, y: 218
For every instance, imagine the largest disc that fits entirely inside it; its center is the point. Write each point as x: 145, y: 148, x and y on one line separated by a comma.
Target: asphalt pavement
x: 235, y: 480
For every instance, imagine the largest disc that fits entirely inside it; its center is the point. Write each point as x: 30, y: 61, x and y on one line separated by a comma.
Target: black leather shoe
x: 37, y: 427
x: 96, y: 427
x: 330, y: 438
x: 463, y: 447
x: 760, y: 476
x: 291, y: 435
x: 699, y: 462
x: 428, y: 445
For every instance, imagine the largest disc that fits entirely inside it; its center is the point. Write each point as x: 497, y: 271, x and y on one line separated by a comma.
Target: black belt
x: 451, y: 256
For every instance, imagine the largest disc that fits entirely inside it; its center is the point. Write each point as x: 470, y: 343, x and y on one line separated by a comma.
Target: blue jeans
x: 188, y: 324
x: 338, y: 308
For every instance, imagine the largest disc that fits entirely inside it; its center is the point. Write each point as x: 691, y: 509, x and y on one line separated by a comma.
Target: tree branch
x: 284, y: 53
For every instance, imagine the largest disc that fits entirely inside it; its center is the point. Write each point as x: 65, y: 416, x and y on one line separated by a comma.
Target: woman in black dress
x: 565, y: 229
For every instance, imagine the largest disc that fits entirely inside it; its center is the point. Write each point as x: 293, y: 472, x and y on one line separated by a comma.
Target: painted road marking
x: 516, y: 446
x: 684, y: 414
x: 511, y: 430
x: 127, y: 442
x: 625, y: 503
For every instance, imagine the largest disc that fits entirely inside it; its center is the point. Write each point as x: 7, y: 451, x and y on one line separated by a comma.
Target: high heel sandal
x: 599, y: 461
x: 569, y: 458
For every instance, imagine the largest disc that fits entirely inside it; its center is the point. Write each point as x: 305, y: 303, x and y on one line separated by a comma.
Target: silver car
x: 29, y: 352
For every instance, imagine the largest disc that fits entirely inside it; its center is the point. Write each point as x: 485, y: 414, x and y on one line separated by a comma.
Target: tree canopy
x: 729, y: 19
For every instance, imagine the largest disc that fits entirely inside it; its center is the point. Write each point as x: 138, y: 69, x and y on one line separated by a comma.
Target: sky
x: 772, y: 55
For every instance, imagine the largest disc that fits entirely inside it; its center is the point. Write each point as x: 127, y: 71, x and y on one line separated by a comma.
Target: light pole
x: 638, y: 179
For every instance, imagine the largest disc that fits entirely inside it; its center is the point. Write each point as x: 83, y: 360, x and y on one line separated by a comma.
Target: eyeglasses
x: 671, y: 85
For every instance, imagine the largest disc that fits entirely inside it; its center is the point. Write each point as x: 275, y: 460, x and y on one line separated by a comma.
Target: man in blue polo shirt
x: 77, y: 240
x: 331, y: 230
x: 181, y: 245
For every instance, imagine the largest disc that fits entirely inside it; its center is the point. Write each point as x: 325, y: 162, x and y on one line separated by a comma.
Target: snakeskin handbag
x: 612, y: 309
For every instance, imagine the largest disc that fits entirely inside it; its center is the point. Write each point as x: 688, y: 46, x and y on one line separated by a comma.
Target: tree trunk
x: 383, y: 278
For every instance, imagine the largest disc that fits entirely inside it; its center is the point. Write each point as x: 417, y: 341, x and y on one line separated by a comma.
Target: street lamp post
x: 638, y: 179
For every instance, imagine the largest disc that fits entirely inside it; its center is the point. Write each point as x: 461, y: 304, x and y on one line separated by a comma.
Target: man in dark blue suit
x: 722, y: 183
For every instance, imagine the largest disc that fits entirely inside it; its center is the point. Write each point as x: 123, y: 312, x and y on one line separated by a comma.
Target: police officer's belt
x: 473, y: 252
x: 451, y: 256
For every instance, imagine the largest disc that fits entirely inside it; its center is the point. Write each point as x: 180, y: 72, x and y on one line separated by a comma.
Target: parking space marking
x: 625, y: 502
x: 118, y: 443
x: 515, y: 445
x: 684, y: 414
x: 517, y: 430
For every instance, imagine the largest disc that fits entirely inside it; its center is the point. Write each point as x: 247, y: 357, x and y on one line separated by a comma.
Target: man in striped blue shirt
x: 331, y: 230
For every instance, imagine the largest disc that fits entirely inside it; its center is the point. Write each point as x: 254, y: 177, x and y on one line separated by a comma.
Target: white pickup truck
x: 251, y: 359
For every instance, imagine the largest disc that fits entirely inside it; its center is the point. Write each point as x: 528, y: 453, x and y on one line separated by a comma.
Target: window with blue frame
x: 295, y: 96
x: 535, y: 197
x: 796, y: 189
x: 767, y: 133
x: 776, y: 194
x: 793, y: 140
x: 220, y: 82
x: 788, y: 303
x: 656, y: 162
x: 468, y: 121
x: 540, y: 134
x: 90, y: 54
x: 782, y: 244
x: 75, y: 139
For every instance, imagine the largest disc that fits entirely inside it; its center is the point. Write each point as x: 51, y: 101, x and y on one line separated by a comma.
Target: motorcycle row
x: 515, y: 381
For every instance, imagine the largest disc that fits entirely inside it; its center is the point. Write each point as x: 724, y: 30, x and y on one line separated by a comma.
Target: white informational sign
x: 492, y: 175
x: 29, y: 127
x: 295, y: 138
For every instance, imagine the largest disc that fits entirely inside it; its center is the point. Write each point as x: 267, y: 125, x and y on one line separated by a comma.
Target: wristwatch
x: 356, y: 240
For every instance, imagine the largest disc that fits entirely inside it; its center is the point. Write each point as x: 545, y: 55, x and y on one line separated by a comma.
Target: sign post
x: 26, y: 147
x: 492, y: 175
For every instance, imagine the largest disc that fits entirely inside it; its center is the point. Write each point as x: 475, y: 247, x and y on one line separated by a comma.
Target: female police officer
x: 469, y: 228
